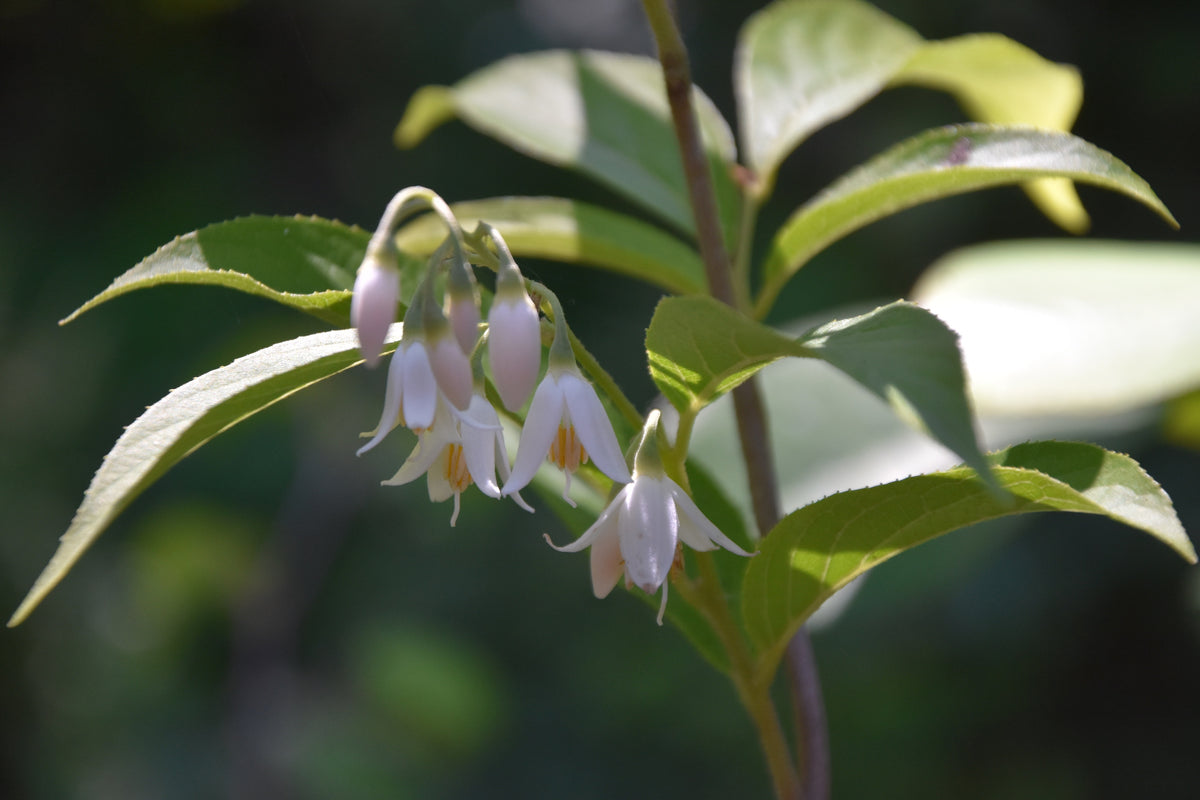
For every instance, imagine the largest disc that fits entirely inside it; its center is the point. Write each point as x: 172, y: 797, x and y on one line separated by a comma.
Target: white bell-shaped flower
x: 411, y: 395
x: 566, y: 423
x: 640, y: 529
x: 461, y: 448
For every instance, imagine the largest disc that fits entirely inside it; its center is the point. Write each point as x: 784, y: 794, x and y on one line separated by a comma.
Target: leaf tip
x: 428, y: 109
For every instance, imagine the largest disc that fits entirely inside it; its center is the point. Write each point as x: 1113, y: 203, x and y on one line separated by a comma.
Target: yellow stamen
x: 566, y: 450
x: 456, y: 473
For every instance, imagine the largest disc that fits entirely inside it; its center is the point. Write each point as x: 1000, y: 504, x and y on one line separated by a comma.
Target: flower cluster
x: 436, y: 388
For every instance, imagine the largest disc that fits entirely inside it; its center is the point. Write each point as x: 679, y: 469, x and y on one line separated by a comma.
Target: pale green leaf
x: 699, y: 348
x: 820, y: 548
x: 1071, y: 327
x: 604, y: 114
x: 571, y: 231
x: 908, y: 357
x: 935, y: 164
x: 429, y: 109
x: 999, y: 81
x: 306, y: 263
x: 802, y: 64
x: 185, y: 419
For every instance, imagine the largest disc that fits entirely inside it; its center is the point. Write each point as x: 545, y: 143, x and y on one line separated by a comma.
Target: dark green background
x: 267, y: 622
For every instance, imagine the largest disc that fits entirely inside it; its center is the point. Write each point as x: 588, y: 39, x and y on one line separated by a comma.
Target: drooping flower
x: 461, y: 448
x: 639, y: 531
x: 373, y: 305
x: 411, y: 395
x: 514, y: 339
x: 566, y: 423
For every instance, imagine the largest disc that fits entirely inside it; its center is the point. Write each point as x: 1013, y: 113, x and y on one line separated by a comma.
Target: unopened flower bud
x: 514, y: 339
x: 451, y: 368
x: 462, y: 308
x: 373, y: 306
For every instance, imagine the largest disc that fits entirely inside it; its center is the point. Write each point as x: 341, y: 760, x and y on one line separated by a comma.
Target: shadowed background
x: 268, y: 622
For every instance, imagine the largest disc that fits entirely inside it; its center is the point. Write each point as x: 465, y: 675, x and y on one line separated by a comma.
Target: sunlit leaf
x: 1071, y: 327
x: 908, y: 357
x: 185, y: 419
x: 306, y: 263
x: 604, y: 114
x: 698, y: 349
x: 803, y: 63
x: 999, y: 81
x: 570, y: 231
x: 820, y: 548
x: 940, y: 163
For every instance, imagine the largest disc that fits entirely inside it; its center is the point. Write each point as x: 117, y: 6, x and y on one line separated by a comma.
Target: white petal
x: 541, y: 426
x: 649, y: 530
x: 520, y: 501
x: 606, y: 562
x: 391, y: 400
x: 594, y: 429
x: 514, y: 348
x: 420, y: 388
x: 436, y: 481
x: 695, y: 528
x: 451, y: 369
x: 502, y: 470
x: 419, y: 460
x: 479, y: 449
x: 608, y: 523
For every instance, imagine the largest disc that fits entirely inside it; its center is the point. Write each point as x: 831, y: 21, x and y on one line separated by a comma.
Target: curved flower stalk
x: 377, y: 282
x: 640, y: 530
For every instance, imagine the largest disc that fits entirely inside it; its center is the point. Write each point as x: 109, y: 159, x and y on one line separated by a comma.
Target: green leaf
x: 185, y: 419
x: 429, y: 109
x: 699, y: 348
x: 1071, y: 327
x: 603, y: 114
x: 935, y: 164
x: 802, y: 64
x: 573, y: 232
x: 820, y: 548
x: 306, y: 263
x: 999, y: 81
x: 909, y: 358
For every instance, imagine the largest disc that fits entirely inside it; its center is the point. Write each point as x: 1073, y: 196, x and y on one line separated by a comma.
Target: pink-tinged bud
x: 373, y: 306
x: 514, y: 344
x: 451, y: 369
x: 463, y: 311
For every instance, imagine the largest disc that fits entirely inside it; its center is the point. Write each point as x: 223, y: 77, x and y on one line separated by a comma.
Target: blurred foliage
x: 268, y: 623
